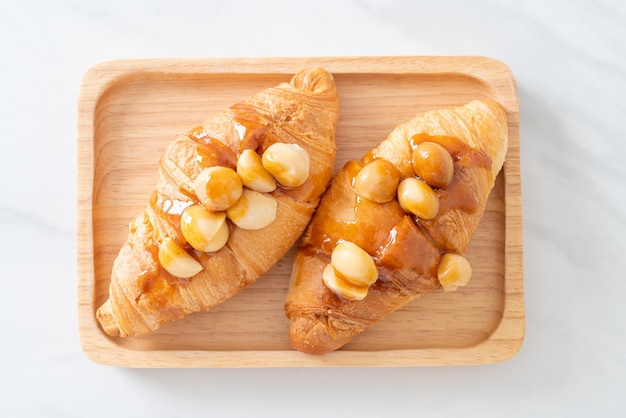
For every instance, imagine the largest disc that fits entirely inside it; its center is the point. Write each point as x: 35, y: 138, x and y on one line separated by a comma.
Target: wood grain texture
x: 129, y: 110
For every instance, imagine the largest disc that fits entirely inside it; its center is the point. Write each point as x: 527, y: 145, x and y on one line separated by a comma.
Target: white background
x: 569, y: 59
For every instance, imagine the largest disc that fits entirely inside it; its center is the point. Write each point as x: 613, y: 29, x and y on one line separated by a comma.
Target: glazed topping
x: 462, y: 154
x: 222, y: 193
x: 213, y: 152
x: 218, y: 188
x: 253, y: 175
x: 377, y: 181
x: 176, y: 260
x: 454, y: 270
x: 288, y: 163
x: 203, y: 230
x: 418, y: 198
x: 433, y: 164
x: 199, y: 134
x: 351, y: 271
x: 249, y: 125
x: 253, y: 210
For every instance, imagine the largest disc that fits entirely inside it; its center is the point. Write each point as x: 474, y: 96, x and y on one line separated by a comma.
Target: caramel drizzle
x: 457, y: 195
x: 250, y: 127
x: 463, y: 155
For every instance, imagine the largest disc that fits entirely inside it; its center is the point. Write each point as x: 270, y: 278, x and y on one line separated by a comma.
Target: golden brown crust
x: 407, y: 251
x: 142, y: 296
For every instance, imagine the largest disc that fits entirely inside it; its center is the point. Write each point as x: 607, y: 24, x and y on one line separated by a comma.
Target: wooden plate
x: 129, y: 110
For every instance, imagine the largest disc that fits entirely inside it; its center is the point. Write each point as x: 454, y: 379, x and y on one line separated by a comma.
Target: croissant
x: 395, y: 225
x: 233, y: 195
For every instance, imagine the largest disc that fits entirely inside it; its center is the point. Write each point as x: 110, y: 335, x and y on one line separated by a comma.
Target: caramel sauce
x: 198, y: 134
x: 212, y: 151
x: 405, y: 252
x: 216, y: 153
x: 460, y: 193
x: 409, y: 258
x: 350, y: 217
x: 251, y: 127
x: 147, y: 277
x: 171, y: 208
x: 255, y: 132
x: 406, y: 248
x: 462, y: 154
x: 157, y: 285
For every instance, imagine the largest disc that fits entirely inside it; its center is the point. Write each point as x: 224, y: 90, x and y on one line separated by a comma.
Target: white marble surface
x: 569, y: 58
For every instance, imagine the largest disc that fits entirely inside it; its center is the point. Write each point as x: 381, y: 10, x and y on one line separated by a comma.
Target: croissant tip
x: 314, y: 336
x: 304, y: 335
x: 314, y: 80
x: 106, y: 319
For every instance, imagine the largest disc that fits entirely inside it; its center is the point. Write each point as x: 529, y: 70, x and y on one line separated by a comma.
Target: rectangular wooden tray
x: 129, y: 110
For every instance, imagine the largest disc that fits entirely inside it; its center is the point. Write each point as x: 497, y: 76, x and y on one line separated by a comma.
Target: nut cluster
x: 241, y: 196
x: 352, y: 270
x: 380, y: 182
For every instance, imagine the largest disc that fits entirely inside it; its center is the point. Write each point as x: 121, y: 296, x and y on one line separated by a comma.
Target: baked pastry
x: 395, y: 225
x: 233, y: 195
